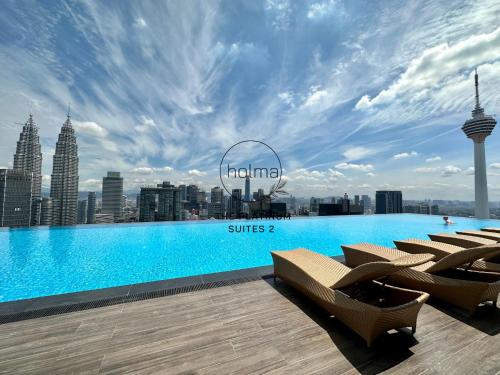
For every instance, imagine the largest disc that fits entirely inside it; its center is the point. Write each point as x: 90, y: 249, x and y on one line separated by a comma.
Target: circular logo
x: 250, y: 170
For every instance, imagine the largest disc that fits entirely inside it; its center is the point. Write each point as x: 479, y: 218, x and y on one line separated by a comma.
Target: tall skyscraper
x: 91, y: 204
x: 112, y: 194
x: 247, y: 189
x: 28, y: 156
x: 82, y: 212
x: 478, y: 128
x: 15, y: 198
x: 64, y: 181
x: 388, y: 202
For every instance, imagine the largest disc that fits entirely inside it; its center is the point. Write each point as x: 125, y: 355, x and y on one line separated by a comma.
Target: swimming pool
x: 47, y: 261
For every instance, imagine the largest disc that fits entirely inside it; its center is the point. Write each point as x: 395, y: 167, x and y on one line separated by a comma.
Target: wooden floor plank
x: 251, y: 328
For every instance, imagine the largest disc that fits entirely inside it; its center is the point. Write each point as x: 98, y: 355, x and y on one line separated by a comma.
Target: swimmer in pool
x: 447, y: 220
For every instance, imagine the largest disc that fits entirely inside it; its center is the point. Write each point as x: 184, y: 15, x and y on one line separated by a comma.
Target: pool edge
x: 13, y: 311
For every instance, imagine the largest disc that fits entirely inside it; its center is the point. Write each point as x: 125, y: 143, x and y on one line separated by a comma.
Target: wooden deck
x: 256, y: 327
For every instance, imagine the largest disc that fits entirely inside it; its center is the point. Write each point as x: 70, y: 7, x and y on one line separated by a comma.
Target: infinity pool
x: 46, y: 261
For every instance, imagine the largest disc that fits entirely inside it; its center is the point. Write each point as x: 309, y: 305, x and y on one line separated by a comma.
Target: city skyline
x: 358, y: 118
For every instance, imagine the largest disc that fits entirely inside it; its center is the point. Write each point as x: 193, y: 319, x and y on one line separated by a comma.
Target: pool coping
x: 32, y: 308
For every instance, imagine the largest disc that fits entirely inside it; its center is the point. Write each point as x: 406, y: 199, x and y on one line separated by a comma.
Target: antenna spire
x: 477, y: 90
x: 69, y: 107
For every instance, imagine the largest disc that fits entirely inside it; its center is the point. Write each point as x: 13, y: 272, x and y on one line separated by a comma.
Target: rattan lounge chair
x: 465, y: 241
x: 481, y: 234
x: 368, y: 307
x: 491, y: 229
x: 441, y: 279
x: 461, y: 240
x: 441, y: 249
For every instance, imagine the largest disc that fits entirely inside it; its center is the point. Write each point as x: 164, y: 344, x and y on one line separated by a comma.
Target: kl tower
x: 478, y: 128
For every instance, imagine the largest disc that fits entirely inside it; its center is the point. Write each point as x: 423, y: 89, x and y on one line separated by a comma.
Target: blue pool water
x: 46, y: 261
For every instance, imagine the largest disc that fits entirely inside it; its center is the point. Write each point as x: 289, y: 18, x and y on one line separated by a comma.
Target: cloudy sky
x: 353, y: 96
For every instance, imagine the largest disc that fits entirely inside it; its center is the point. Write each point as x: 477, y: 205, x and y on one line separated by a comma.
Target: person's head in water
x: 447, y: 220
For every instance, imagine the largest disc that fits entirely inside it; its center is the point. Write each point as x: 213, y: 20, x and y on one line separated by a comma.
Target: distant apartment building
x: 15, y: 198
x: 314, y: 204
x: 216, y: 208
x: 367, y: 203
x: 112, y: 195
x: 91, y: 207
x: 346, y: 204
x: 192, y: 197
x: 388, y: 202
x: 82, y: 212
x: 235, y: 203
x: 160, y: 203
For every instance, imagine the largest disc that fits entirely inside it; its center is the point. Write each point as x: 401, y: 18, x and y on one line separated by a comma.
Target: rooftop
x: 253, y: 327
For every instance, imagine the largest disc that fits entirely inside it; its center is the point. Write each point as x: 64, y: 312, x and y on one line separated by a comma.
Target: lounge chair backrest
x: 464, y: 256
x: 376, y: 270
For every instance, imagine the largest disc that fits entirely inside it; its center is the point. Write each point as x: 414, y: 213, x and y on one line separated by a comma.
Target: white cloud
x: 450, y: 170
x: 437, y: 63
x: 495, y: 165
x: 426, y: 169
x: 405, y: 155
x: 371, y: 174
x: 143, y: 170
x: 90, y: 128
x: 446, y: 171
x: 140, y: 23
x: 196, y: 172
x: 319, y: 10
x: 316, y: 97
x: 469, y: 171
x: 433, y: 159
x: 355, y: 167
x: 358, y: 152
x: 151, y: 170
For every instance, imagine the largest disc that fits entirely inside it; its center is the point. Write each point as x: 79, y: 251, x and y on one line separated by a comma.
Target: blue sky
x: 354, y: 96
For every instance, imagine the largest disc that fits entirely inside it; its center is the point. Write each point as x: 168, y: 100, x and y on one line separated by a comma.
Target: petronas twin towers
x: 64, y: 178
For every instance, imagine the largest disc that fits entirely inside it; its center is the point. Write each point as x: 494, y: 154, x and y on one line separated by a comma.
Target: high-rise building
x: 46, y: 212
x: 216, y: 206
x: 112, y: 195
x: 217, y: 195
x: 235, y: 203
x: 160, y: 203
x: 82, y: 212
x: 388, y: 202
x: 91, y: 206
x: 28, y: 156
x: 192, y: 197
x: 366, y: 203
x: 314, y: 204
x: 64, y: 179
x: 247, y: 189
x: 345, y: 203
x: 15, y: 198
x: 478, y: 128
x: 356, y: 200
